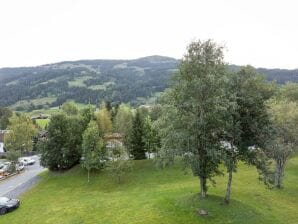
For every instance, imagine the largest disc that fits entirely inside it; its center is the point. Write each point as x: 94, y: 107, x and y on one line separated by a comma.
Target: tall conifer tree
x: 136, y: 141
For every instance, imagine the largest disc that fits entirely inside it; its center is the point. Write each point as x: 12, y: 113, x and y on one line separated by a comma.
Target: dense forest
x: 131, y: 81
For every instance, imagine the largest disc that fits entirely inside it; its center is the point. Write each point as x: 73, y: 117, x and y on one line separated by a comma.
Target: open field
x: 79, y: 81
x: 53, y: 110
x: 42, y: 122
x: 151, y: 195
x: 104, y: 86
x: 49, y: 111
x: 25, y: 104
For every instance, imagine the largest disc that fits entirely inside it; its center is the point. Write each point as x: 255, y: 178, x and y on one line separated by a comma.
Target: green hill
x: 130, y: 81
x: 85, y: 81
x: 151, y: 195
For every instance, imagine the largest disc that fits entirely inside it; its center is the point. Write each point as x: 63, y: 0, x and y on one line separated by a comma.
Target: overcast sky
x: 257, y: 32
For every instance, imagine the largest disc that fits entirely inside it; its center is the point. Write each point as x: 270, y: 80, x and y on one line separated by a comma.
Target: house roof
x: 113, y: 136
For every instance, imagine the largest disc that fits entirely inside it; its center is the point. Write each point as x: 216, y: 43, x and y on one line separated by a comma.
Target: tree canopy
x: 20, y: 135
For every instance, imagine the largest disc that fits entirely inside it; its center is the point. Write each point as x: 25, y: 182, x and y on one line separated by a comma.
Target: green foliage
x: 136, y: 140
x: 247, y: 121
x: 70, y: 108
x: 123, y: 122
x: 249, y: 112
x: 63, y: 147
x: 284, y: 141
x: 114, y: 111
x: 119, y: 163
x: 155, y: 112
x: 168, y: 129
x: 150, y: 137
x: 5, y: 114
x: 289, y: 91
x: 103, y: 118
x: 12, y: 156
x: 87, y: 115
x: 20, y: 135
x: 143, y: 111
x: 93, y: 153
x: 123, y: 119
x: 197, y: 102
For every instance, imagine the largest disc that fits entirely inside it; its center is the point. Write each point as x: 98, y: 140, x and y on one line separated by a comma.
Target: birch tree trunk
x: 279, y: 173
x: 228, y: 192
x: 203, y: 187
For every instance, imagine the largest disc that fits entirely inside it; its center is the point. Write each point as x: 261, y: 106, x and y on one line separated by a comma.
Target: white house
x: 2, y: 133
x: 2, y: 147
x: 113, y: 140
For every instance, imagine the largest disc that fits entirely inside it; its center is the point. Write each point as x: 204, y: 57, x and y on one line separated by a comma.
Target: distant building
x: 113, y: 140
x: 2, y: 147
x: 2, y: 135
x: 40, y: 116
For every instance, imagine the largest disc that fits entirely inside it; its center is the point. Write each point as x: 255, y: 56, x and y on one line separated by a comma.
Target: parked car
x: 26, y: 161
x: 4, y: 168
x: 8, y: 204
x: 20, y: 166
x: 3, y: 171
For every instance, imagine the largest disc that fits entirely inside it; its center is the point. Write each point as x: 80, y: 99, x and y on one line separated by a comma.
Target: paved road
x: 16, y: 185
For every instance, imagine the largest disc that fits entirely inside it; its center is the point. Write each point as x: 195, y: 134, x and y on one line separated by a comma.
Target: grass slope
x: 150, y: 195
x: 25, y: 104
x: 42, y: 123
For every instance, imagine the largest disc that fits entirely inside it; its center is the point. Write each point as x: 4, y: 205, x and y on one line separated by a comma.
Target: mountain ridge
x: 134, y: 81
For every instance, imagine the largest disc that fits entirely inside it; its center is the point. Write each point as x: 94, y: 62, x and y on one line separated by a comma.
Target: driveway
x: 16, y: 185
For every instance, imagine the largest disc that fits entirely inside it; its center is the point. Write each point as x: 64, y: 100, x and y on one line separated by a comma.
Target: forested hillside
x: 86, y: 81
x: 134, y: 81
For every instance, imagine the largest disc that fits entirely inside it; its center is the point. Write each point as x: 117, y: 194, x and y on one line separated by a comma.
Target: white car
x: 20, y: 166
x: 26, y: 161
x: 4, y: 169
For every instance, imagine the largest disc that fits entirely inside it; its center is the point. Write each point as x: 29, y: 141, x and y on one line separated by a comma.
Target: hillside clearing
x: 25, y: 104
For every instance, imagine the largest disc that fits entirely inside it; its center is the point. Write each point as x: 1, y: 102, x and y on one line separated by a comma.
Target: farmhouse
x: 113, y: 140
x: 40, y: 116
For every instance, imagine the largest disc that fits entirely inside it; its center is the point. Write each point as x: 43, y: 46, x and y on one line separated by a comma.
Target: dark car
x: 7, y: 204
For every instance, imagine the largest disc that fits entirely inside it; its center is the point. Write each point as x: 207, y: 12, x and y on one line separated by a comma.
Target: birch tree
x: 197, y: 95
x: 284, y: 143
x: 247, y: 120
x: 93, y: 154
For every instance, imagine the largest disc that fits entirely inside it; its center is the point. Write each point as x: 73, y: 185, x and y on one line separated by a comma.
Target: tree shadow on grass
x: 218, y: 212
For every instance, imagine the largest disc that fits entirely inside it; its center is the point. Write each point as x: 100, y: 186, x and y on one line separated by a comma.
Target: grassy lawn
x: 42, y: 122
x: 150, y: 195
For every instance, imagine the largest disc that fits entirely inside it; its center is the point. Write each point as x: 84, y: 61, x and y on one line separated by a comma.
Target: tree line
x: 82, y: 136
x: 107, y: 81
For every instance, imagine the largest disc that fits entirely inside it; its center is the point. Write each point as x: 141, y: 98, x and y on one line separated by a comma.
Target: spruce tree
x: 136, y: 141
